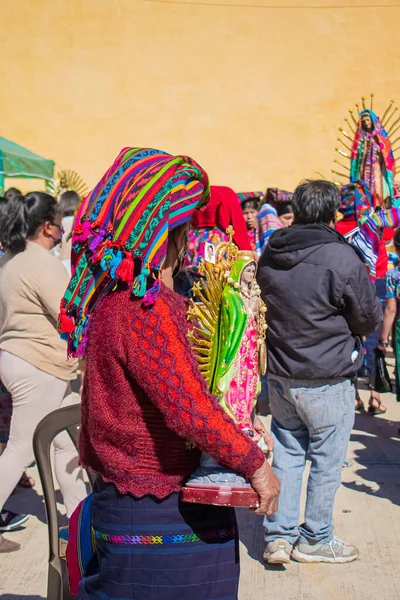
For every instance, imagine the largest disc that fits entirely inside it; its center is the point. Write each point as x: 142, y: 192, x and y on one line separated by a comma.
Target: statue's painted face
x: 249, y: 274
x: 366, y: 122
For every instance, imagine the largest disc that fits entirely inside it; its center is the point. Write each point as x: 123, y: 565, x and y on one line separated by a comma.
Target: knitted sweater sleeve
x: 160, y: 359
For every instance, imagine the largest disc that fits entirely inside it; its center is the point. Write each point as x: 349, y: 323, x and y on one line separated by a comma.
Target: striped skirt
x: 149, y: 549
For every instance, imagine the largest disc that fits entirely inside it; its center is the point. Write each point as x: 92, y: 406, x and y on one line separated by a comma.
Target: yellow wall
x: 253, y: 89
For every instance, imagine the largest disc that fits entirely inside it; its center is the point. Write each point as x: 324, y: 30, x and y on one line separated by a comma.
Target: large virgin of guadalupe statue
x: 228, y: 338
x: 369, y: 145
x: 372, y: 159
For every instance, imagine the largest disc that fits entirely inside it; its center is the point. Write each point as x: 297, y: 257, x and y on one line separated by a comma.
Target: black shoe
x: 10, y: 521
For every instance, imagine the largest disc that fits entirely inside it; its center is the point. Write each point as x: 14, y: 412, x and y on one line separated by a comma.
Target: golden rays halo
x: 67, y: 180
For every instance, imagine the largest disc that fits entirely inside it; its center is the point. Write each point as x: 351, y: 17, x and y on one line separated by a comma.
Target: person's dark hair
x: 23, y: 218
x: 396, y: 240
x: 12, y: 193
x: 3, y: 208
x: 283, y: 208
x: 68, y: 203
x: 251, y: 203
x: 316, y: 202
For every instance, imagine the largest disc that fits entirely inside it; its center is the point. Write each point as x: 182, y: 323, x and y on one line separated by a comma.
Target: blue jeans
x: 312, y: 422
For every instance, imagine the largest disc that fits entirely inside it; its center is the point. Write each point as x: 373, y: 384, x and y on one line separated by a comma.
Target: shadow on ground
x: 251, y: 533
x: 29, y: 501
x: 379, y: 458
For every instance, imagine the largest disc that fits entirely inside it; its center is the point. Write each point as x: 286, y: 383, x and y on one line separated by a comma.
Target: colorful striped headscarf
x: 245, y: 196
x: 121, y: 231
x: 368, y: 239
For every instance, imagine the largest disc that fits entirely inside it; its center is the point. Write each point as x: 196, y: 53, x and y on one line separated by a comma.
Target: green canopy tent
x: 18, y: 162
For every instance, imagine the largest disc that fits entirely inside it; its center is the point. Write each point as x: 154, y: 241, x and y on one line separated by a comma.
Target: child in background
x: 391, y: 314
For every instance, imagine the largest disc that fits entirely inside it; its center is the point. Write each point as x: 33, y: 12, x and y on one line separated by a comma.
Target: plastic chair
x: 63, y: 419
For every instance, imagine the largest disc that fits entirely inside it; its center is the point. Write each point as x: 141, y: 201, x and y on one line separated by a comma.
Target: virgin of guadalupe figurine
x: 228, y: 338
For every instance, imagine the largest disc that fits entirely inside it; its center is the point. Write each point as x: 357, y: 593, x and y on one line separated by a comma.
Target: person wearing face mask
x: 33, y: 363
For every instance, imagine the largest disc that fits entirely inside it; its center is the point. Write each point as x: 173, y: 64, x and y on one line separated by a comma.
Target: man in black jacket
x: 320, y: 300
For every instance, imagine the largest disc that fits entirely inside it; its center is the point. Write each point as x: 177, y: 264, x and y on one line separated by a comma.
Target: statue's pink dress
x: 243, y: 389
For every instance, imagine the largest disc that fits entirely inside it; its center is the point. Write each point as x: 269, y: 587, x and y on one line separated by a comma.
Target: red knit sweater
x: 144, y: 398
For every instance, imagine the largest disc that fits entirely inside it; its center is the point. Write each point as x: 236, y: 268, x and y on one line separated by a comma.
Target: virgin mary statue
x: 372, y: 159
x: 228, y: 338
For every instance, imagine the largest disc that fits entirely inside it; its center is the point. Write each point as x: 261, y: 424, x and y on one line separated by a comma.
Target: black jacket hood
x: 289, y: 246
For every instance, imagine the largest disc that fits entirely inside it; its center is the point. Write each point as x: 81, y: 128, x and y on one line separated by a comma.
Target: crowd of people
x: 135, y: 246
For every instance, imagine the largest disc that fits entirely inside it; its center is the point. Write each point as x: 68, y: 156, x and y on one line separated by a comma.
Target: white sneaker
x: 278, y: 552
x: 335, y: 551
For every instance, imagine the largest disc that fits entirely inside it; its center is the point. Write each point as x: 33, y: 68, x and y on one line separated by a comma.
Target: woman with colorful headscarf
x: 275, y: 213
x: 145, y: 403
x: 249, y: 202
x: 372, y: 159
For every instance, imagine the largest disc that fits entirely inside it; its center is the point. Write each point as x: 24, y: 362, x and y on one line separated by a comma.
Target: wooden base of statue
x: 214, y: 484
x: 221, y: 496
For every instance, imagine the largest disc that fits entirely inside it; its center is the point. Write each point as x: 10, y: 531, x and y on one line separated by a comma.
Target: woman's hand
x: 267, y: 486
x: 383, y: 346
x: 260, y: 429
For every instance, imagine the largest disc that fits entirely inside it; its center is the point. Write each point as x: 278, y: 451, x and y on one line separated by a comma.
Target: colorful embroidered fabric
x: 165, y: 539
x: 121, y: 231
x: 81, y: 546
x: 198, y: 243
x: 254, y: 241
x: 357, y: 201
x: 268, y: 222
x: 365, y: 155
x: 169, y: 571
x: 393, y: 283
x: 274, y: 195
x: 244, y: 196
x: 368, y: 239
